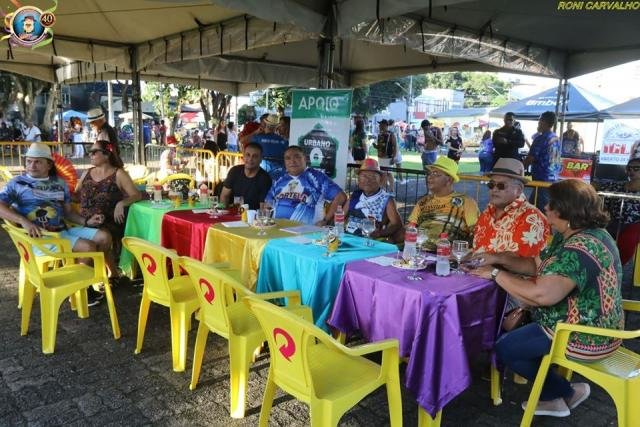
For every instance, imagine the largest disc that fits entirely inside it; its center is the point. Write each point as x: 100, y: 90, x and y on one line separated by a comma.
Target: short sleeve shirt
x: 253, y: 190
x: 301, y: 198
x: 522, y: 228
x: 590, y: 259
x: 631, y: 209
x: 41, y: 201
x: 454, y: 214
x: 545, y: 148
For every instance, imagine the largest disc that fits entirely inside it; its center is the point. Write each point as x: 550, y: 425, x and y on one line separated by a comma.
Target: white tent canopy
x: 238, y: 45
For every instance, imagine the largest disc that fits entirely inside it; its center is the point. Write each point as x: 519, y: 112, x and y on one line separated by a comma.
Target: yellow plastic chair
x: 316, y: 369
x: 636, y: 267
x: 70, y: 280
x: 176, y: 293
x: 222, y: 312
x: 44, y: 262
x: 618, y: 374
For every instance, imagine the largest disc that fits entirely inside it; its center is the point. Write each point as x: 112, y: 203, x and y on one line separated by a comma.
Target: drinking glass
x: 368, y: 227
x: 421, y: 239
x: 237, y: 202
x: 213, y: 200
x: 416, y: 262
x: 263, y: 216
x: 332, y: 242
x: 459, y: 249
x: 149, y: 190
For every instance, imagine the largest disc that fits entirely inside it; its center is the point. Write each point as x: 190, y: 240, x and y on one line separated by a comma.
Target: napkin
x: 301, y: 229
x: 384, y: 261
x: 301, y: 240
x: 199, y: 211
x: 235, y: 224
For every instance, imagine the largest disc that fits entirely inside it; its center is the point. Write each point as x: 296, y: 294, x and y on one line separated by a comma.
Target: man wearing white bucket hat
x: 102, y: 130
x: 40, y: 200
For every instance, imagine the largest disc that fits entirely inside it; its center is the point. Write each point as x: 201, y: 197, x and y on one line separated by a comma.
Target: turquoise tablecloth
x: 287, y: 266
x: 144, y: 220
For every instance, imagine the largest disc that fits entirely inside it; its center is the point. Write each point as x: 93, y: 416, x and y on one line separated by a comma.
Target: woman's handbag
x: 515, y: 318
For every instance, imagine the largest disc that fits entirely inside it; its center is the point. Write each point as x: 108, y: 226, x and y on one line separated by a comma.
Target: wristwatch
x: 494, y: 273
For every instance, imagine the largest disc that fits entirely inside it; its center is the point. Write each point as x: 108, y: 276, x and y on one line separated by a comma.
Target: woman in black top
x: 455, y: 144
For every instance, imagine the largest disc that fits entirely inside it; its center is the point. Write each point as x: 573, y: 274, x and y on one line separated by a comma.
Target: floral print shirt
x: 631, y: 209
x: 590, y: 259
x: 522, y: 228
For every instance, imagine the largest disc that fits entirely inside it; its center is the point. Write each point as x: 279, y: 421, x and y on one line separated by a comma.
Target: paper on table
x: 384, y: 261
x: 302, y: 229
x: 300, y: 240
x: 235, y: 224
x: 199, y: 211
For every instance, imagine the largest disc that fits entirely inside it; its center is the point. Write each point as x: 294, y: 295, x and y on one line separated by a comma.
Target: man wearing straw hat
x: 443, y: 209
x: 102, y: 130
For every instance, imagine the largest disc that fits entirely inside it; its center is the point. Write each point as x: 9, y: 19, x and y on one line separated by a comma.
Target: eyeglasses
x: 633, y: 168
x: 96, y: 150
x: 436, y: 174
x: 498, y: 185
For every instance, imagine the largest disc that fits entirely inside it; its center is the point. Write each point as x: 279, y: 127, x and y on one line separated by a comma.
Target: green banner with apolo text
x: 320, y: 120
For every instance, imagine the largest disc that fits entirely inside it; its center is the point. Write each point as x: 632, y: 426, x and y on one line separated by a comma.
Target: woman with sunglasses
x: 625, y: 223
x: 105, y: 190
x: 577, y: 279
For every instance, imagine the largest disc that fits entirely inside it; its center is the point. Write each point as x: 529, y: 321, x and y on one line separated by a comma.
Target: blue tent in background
x: 582, y: 105
x: 629, y: 109
x: 73, y: 113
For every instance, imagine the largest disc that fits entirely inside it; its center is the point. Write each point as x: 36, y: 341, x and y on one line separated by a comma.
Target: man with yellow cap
x: 444, y: 210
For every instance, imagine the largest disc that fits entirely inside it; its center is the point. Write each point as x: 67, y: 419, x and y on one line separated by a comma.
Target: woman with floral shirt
x: 576, y: 279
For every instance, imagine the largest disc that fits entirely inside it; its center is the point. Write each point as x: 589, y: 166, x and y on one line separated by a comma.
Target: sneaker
x: 552, y: 408
x: 94, y: 297
x: 580, y: 393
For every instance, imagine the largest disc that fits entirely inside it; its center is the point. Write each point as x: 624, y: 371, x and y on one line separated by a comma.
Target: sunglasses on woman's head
x: 498, y: 185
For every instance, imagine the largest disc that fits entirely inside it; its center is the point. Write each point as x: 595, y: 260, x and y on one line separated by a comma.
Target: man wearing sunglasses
x: 510, y: 223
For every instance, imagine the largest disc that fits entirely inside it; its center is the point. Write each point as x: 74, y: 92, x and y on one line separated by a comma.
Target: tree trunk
x: 50, y: 112
x: 124, y: 95
x: 220, y: 105
x: 204, y: 105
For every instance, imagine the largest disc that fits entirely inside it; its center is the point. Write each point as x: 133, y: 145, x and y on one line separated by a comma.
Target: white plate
x: 402, y: 265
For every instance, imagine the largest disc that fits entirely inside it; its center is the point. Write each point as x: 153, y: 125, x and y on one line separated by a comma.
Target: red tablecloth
x: 186, y: 231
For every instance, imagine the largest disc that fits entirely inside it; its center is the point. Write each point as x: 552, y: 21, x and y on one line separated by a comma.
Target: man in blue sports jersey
x: 301, y: 192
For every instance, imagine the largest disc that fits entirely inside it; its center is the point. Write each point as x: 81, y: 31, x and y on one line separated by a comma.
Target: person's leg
x: 522, y: 350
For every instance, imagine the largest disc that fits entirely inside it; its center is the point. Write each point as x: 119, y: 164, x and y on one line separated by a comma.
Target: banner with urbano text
x: 616, y: 140
x: 320, y: 125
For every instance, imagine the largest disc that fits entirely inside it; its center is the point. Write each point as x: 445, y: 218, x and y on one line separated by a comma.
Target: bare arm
x: 394, y: 222
x: 8, y: 213
x: 339, y: 200
x: 510, y: 261
x: 225, y: 196
x: 126, y: 185
x: 545, y: 291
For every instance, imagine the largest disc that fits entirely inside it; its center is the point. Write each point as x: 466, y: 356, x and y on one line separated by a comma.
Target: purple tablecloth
x: 439, y: 322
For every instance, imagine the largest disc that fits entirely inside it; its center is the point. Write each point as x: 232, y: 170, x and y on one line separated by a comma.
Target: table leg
x: 496, y: 395
x: 425, y: 420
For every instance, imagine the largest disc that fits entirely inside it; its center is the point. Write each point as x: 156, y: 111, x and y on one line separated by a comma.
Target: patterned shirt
x: 590, y: 259
x: 522, y: 228
x: 362, y: 206
x: 545, y: 148
x: 40, y: 200
x: 631, y: 209
x: 301, y: 198
x: 454, y: 214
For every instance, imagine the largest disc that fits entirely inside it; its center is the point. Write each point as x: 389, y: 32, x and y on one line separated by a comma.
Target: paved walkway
x: 93, y: 380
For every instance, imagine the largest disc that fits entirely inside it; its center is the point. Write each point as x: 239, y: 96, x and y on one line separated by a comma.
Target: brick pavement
x: 94, y: 380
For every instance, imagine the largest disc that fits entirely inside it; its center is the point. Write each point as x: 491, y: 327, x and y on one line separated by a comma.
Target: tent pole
x: 138, y: 143
x: 563, y: 105
x: 57, y: 87
x: 112, y: 122
x: 326, y: 48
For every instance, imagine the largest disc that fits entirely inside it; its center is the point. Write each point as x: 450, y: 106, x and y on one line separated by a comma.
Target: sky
x: 619, y: 84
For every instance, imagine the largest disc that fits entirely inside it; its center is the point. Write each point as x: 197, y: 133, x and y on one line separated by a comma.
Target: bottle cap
x: 444, y: 235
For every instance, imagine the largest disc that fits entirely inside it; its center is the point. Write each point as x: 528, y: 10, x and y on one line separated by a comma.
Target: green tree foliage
x: 480, y: 89
x: 368, y: 100
x: 279, y: 99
